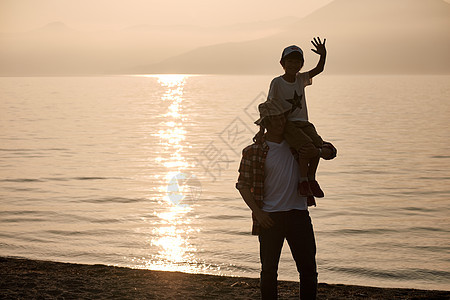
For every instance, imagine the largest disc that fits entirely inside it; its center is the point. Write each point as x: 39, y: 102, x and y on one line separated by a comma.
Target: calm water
x: 90, y: 166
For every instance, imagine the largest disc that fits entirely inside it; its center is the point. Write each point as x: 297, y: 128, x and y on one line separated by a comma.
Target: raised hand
x: 320, y: 47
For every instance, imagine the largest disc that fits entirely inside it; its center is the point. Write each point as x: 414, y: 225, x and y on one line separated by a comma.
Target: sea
x: 140, y: 172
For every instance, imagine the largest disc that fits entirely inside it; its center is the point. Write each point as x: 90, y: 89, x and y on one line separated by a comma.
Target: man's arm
x: 322, y: 51
x: 263, y: 217
x: 244, y: 187
x: 328, y: 151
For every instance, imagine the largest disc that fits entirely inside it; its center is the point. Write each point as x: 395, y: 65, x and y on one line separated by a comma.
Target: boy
x: 288, y: 90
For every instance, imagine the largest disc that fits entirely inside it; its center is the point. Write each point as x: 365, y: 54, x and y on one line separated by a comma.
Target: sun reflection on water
x: 171, y: 131
x: 170, y: 248
x: 173, y: 236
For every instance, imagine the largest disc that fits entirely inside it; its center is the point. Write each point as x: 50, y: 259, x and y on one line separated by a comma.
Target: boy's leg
x: 295, y: 136
x: 303, y: 165
x: 312, y: 168
x: 297, y: 139
x: 313, y: 163
x: 313, y: 184
x: 309, y: 130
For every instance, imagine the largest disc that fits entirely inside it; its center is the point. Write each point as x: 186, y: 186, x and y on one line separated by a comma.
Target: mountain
x: 275, y: 25
x: 54, y: 27
x: 363, y: 37
x: 57, y: 48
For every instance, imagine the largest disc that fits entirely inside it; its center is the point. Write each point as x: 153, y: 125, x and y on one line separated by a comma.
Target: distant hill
x: 57, y: 48
x: 54, y: 27
x: 363, y: 37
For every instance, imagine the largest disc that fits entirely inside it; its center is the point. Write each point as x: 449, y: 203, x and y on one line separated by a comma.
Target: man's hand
x: 328, y: 151
x: 264, y: 219
x: 308, y: 151
x: 320, y: 47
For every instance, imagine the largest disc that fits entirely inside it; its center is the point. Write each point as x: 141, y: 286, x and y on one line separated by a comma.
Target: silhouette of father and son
x: 277, y: 173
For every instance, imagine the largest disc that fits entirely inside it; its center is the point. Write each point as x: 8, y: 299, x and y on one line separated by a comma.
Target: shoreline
x: 25, y: 279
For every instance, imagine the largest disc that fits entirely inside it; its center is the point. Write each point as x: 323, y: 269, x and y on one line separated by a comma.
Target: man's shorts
x: 300, y: 133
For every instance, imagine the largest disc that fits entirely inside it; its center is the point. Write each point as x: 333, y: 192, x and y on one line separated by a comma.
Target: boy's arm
x: 322, y: 51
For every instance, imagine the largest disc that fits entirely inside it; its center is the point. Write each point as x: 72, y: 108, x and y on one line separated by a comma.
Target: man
x: 268, y: 180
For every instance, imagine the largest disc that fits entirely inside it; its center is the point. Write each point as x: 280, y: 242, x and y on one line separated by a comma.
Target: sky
x: 23, y: 15
x: 104, y: 36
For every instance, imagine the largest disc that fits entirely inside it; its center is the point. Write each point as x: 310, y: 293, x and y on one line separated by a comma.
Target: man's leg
x: 300, y: 237
x: 270, y: 244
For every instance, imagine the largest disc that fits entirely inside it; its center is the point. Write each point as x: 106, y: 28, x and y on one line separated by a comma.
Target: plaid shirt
x: 251, y: 175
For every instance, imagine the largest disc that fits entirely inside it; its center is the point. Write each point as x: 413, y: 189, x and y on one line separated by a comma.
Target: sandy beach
x: 31, y: 279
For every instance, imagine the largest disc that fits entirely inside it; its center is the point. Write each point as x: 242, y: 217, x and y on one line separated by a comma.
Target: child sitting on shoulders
x: 289, y: 90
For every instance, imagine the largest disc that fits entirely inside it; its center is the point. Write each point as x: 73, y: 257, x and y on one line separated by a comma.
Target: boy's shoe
x: 304, y: 189
x: 315, y: 188
x: 311, y: 201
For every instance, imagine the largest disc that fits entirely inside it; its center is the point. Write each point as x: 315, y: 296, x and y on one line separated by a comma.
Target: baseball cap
x: 290, y: 49
x: 271, y: 108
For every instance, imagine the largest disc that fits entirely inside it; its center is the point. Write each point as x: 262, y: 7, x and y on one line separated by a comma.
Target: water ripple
x: 371, y: 231
x: 410, y: 273
x: 46, y: 179
x: 113, y: 200
x: 22, y: 180
x: 30, y: 150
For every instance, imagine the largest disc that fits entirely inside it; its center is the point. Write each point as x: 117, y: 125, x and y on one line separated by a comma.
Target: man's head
x: 275, y: 124
x: 273, y: 116
x: 271, y: 108
x: 292, y: 59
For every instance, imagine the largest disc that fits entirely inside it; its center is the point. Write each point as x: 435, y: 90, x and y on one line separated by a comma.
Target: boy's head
x: 292, y: 58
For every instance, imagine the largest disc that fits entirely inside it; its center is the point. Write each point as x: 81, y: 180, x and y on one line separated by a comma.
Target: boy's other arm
x: 322, y: 51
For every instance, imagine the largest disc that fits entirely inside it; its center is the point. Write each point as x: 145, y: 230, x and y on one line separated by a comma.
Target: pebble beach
x: 35, y: 279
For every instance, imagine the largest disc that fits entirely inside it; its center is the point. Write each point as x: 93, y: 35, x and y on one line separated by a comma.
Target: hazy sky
x: 98, y: 45
x: 22, y: 15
